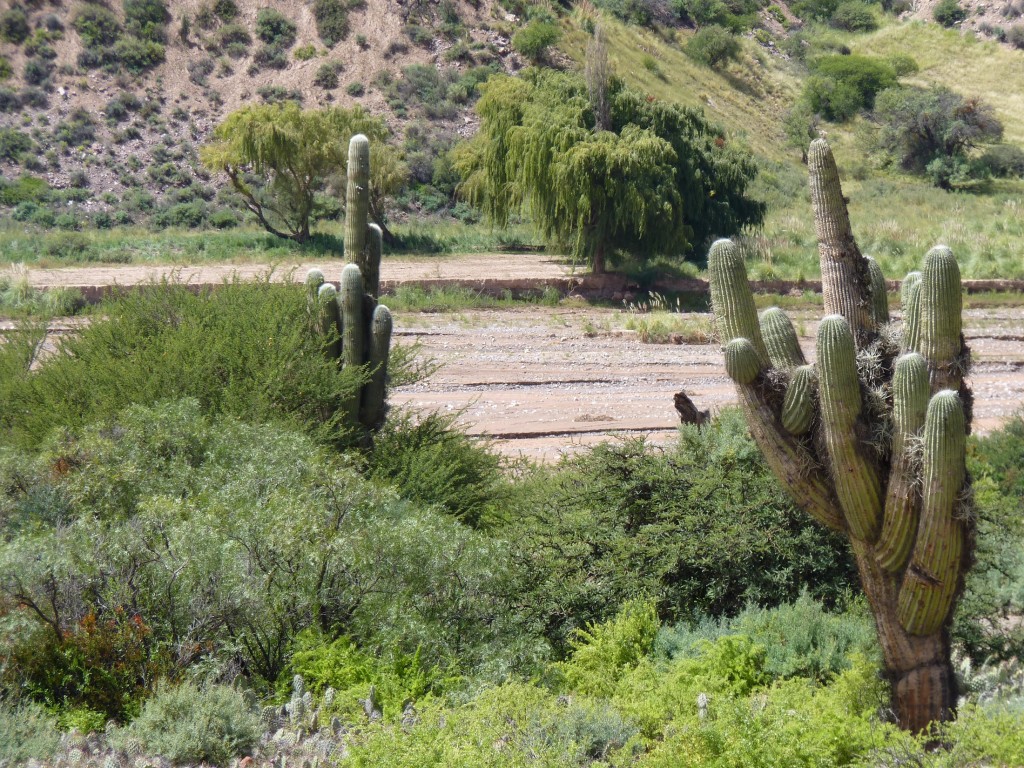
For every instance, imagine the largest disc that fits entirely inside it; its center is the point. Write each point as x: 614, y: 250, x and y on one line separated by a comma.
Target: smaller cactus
x: 798, y: 407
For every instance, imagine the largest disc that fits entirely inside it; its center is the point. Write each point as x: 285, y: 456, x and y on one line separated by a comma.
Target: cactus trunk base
x: 924, y: 686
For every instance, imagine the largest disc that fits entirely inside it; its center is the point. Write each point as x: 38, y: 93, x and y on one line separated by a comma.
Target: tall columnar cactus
x: 870, y: 438
x: 356, y: 329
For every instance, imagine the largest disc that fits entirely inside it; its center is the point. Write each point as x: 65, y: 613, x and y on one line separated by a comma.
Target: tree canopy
x: 662, y: 180
x: 279, y: 157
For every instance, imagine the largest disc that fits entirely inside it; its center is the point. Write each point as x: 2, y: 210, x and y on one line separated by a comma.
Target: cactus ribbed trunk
x: 895, y: 483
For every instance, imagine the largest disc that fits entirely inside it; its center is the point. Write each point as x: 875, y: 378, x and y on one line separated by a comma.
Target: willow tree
x: 657, y: 182
x: 280, y: 157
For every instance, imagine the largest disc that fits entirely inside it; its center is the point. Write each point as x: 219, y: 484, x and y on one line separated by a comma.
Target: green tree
x: 713, y: 45
x: 659, y: 182
x: 280, y: 157
x: 932, y: 131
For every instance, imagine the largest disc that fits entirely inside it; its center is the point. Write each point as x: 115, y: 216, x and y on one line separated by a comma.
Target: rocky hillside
x: 109, y: 102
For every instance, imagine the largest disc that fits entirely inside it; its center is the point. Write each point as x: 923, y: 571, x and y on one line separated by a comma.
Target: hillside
x: 108, y: 105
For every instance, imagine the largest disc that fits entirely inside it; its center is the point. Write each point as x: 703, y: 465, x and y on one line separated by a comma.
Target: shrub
x: 1003, y: 161
x: 533, y: 40
x: 949, y: 13
x: 223, y: 219
x: 23, y: 189
x: 431, y: 462
x: 13, y: 143
x: 200, y: 69
x: 1015, y: 36
x: 305, y: 52
x: 842, y: 85
x: 27, y: 733
x: 189, y: 724
x: 931, y: 130
x: 137, y: 55
x: 903, y: 64
x: 271, y: 57
x: 14, y: 25
x: 233, y: 34
x: 713, y: 45
x: 331, y: 21
x: 854, y: 16
x: 9, y: 100
x: 225, y: 10
x: 274, y: 28
x: 120, y: 108
x: 37, y: 71
x: 79, y: 128
x: 96, y: 25
x: 189, y: 215
x: 355, y: 89
x: 703, y: 528
x: 146, y: 19
x: 6, y: 70
x: 644, y: 13
x: 327, y: 75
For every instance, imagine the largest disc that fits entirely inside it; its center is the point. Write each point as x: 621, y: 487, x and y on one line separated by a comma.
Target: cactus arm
x: 879, y: 293
x: 910, y: 299
x: 314, y: 279
x: 731, y: 298
x: 927, y: 592
x: 902, y: 499
x: 736, y: 317
x: 374, y: 251
x: 372, y: 412
x: 357, y: 200
x: 353, y: 338
x: 329, y: 317
x: 845, y: 276
x: 741, y: 362
x: 798, y: 406
x: 780, y: 340
x: 941, y: 341
x: 856, y: 479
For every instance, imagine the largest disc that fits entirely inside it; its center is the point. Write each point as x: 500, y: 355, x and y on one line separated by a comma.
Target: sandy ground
x: 543, y: 383
x: 542, y: 387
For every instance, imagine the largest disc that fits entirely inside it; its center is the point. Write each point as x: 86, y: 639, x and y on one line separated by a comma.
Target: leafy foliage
x: 14, y: 25
x: 661, y: 181
x: 713, y: 46
x: 243, y: 349
x: 331, y: 21
x: 702, y: 529
x: 949, y: 12
x: 187, y: 724
x: 293, y: 154
x: 932, y: 131
x: 27, y: 731
x: 840, y: 86
x: 533, y: 40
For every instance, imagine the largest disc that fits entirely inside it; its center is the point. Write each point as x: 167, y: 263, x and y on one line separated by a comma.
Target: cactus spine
x: 356, y: 330
x: 903, y: 510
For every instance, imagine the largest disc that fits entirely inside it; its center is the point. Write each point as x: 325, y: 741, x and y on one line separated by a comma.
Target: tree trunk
x: 598, y: 262
x: 923, y: 682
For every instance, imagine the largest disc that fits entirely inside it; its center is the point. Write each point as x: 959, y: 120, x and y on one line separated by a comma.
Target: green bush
x: 138, y: 55
x: 903, y: 64
x: 13, y: 143
x: 6, y: 70
x: 949, y: 13
x: 187, y: 724
x: 355, y: 89
x: 533, y: 40
x: 703, y: 529
x: 275, y: 29
x: 25, y: 188
x: 233, y: 34
x: 225, y: 10
x: 27, y: 732
x: 331, y: 21
x: 305, y: 52
x: 801, y: 639
x: 713, y: 46
x: 14, y: 25
x: 854, y: 16
x: 121, y: 107
x: 37, y: 71
x: 840, y: 86
x: 327, y: 75
x: 96, y: 25
x: 146, y: 19
x: 77, y: 129
x: 1003, y: 161
x: 430, y: 461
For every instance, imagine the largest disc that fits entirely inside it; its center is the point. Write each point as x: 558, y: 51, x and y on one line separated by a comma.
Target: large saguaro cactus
x: 870, y: 438
x: 356, y: 328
